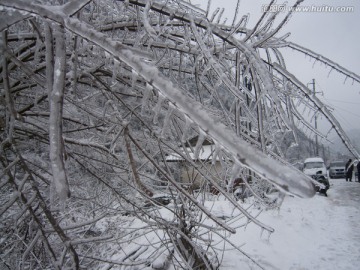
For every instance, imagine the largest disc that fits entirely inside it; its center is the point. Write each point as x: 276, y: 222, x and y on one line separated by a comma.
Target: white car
x: 315, y: 166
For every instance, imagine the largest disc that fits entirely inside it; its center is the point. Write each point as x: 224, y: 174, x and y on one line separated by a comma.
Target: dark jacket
x: 349, y: 169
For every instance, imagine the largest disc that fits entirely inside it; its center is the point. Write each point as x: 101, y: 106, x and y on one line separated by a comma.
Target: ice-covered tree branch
x: 57, y: 148
x: 153, y: 115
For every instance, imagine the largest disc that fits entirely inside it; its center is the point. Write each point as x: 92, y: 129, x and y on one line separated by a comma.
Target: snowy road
x: 319, y: 233
x: 345, y: 202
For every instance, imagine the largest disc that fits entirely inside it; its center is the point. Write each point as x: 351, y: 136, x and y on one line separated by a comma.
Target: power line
x: 343, y: 101
x: 342, y: 109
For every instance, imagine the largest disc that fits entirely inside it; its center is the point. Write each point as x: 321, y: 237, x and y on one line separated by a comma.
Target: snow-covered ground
x: 318, y: 233
x: 321, y: 233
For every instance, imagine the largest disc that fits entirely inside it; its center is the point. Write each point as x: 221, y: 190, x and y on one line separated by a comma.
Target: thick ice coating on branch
x: 283, y: 176
x: 55, y: 121
x: 171, y: 130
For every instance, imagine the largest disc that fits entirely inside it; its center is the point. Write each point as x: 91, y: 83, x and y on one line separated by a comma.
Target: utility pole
x: 315, y: 117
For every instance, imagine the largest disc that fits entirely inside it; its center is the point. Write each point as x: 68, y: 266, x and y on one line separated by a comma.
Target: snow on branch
x: 157, y: 82
x: 288, y: 179
x: 57, y: 154
x: 320, y: 106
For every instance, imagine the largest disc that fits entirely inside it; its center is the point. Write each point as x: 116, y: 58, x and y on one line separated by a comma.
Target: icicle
x: 247, y: 223
x: 269, y: 234
x: 216, y: 153
x: 167, y: 121
x: 221, y: 156
x: 220, y: 15
x: 186, y: 129
x: 134, y: 77
x: 157, y: 108
x: 146, y: 97
x: 115, y: 71
x: 234, y: 174
x: 214, y: 14
x: 314, y: 63
x: 262, y: 232
x: 199, y: 143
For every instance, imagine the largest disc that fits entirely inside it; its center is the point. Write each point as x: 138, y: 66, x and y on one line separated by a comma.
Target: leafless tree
x: 96, y: 95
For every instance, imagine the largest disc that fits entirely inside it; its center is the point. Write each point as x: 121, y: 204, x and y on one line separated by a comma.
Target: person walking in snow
x: 358, y: 169
x: 349, y: 167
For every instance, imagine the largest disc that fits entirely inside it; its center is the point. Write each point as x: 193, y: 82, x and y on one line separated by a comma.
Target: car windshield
x: 312, y: 165
x: 337, y: 164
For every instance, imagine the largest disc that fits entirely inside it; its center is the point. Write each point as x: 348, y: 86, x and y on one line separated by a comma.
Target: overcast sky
x: 335, y: 35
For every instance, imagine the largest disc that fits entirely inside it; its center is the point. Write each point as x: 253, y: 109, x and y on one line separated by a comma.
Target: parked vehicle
x: 313, y: 165
x: 315, y: 168
x: 337, y: 169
